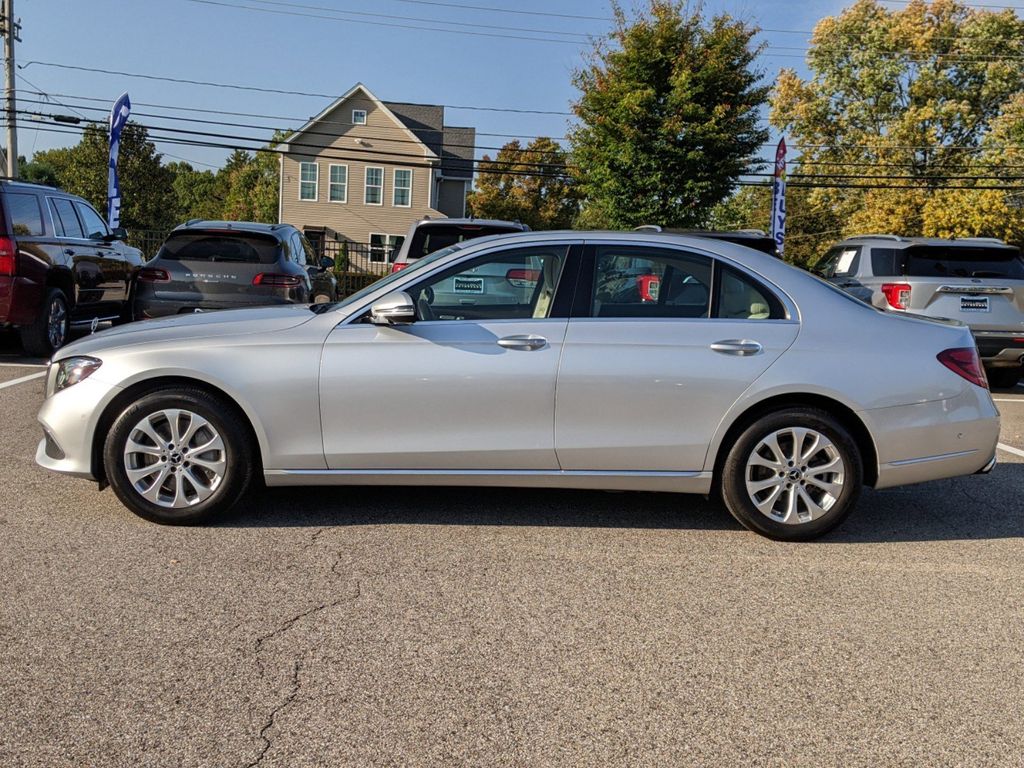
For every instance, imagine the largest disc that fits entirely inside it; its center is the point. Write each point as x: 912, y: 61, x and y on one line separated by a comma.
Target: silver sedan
x: 633, y: 361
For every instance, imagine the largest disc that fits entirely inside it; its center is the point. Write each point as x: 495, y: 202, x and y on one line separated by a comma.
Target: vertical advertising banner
x: 779, y: 198
x: 118, y: 118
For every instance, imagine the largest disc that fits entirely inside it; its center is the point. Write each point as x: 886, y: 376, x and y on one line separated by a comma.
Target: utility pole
x: 11, y: 31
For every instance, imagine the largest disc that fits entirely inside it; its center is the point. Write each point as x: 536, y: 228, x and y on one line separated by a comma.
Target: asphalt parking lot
x: 460, y: 627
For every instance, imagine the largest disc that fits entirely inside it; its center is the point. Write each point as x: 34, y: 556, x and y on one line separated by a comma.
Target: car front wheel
x: 179, y: 455
x: 792, y: 475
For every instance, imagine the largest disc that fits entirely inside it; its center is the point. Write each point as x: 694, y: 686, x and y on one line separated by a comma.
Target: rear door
x: 648, y: 373
x: 983, y: 286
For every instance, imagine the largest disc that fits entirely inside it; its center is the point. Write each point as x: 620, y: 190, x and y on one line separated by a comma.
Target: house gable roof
x: 428, y: 151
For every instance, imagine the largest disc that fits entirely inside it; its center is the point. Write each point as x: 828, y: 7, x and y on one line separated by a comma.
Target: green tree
x: 668, y: 115
x: 199, y: 194
x: 251, y: 183
x: 147, y: 194
x: 528, y: 185
x: 901, y: 105
x: 38, y: 172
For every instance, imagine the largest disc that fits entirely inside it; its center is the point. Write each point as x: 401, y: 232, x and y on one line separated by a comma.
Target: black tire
x: 239, y: 456
x: 735, y: 468
x: 1004, y: 378
x: 49, y: 331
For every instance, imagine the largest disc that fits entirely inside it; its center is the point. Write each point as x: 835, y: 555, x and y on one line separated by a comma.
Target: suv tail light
x: 897, y: 294
x: 153, y: 275
x: 964, y: 361
x: 277, y: 281
x: 399, y: 266
x: 8, y: 256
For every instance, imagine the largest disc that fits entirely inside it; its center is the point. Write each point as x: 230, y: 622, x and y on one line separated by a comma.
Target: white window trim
x: 364, y: 113
x: 388, y: 247
x: 330, y: 183
x: 316, y: 182
x: 366, y: 186
x: 394, y: 187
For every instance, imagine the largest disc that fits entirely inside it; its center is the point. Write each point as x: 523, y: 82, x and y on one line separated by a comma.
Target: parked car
x: 979, y: 281
x: 60, y: 265
x: 757, y: 239
x: 212, y: 265
x: 732, y: 382
x: 429, y: 235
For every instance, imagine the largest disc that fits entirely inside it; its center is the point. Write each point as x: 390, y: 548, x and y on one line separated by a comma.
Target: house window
x: 374, y: 194
x: 338, y: 191
x: 402, y: 193
x: 382, y: 246
x: 309, y: 175
x: 358, y: 117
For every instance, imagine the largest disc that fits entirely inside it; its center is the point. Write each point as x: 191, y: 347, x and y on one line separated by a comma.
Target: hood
x: 204, y: 325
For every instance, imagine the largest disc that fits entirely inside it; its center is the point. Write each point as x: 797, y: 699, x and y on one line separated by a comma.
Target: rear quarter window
x: 215, y: 247
x: 26, y: 215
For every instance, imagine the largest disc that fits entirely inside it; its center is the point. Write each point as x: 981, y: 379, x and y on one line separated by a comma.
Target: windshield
x: 384, y: 281
x: 220, y: 246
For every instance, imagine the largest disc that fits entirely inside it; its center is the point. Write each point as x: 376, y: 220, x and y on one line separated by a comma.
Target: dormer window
x: 358, y: 117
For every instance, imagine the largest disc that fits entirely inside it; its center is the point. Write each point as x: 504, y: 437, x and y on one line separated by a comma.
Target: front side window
x: 514, y: 284
x: 309, y: 175
x: 402, y: 196
x: 374, y: 194
x: 95, y: 226
x: 26, y: 217
x: 642, y: 282
x: 358, y: 117
x: 338, y: 192
x: 841, y: 261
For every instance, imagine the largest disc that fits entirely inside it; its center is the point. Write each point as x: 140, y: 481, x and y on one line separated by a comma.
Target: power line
x: 494, y: 9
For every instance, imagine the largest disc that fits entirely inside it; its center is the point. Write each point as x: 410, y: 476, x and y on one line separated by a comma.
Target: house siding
x: 381, y: 143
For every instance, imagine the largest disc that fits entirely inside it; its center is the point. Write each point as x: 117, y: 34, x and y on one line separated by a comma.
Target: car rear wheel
x: 179, y: 455
x: 1004, y: 378
x: 48, y: 332
x: 792, y: 475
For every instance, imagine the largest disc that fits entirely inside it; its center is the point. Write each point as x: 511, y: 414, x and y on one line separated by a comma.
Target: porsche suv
x: 978, y: 281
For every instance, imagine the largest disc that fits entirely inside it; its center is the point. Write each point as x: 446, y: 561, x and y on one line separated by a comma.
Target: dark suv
x: 210, y: 265
x: 60, y: 265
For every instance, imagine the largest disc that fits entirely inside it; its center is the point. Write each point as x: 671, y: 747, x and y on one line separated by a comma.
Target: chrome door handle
x: 739, y: 347
x: 527, y: 343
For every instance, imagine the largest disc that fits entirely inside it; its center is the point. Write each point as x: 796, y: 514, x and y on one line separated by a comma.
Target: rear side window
x: 68, y: 220
x: 648, y: 282
x: 435, y: 237
x: 740, y: 298
x: 886, y: 262
x: 26, y: 216
x: 215, y: 247
x: 963, y: 261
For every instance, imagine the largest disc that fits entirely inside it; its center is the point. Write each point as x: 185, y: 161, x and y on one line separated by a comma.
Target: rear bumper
x: 1000, y: 349
x: 935, y: 440
x: 147, y: 308
x: 20, y: 299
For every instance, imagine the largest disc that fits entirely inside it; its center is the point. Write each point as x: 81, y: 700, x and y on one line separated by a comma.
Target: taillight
x: 649, y: 287
x: 523, y: 278
x: 964, y: 361
x: 399, y: 266
x: 278, y: 281
x: 8, y: 256
x: 153, y: 275
x: 897, y: 294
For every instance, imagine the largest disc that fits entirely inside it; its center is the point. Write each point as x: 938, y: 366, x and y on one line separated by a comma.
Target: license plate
x: 468, y: 285
x: 974, y: 304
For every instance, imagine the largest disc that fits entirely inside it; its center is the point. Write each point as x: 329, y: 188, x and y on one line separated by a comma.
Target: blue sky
x: 206, y: 41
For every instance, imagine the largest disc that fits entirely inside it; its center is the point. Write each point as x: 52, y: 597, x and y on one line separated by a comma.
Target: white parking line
x: 1011, y: 449
x: 23, y: 379
x: 22, y: 365
x: 1007, y: 400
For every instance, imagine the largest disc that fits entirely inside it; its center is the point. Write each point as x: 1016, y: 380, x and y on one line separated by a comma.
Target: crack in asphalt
x: 272, y: 719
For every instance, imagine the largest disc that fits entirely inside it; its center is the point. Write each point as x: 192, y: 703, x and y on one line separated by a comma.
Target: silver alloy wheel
x: 795, y: 475
x: 174, y: 458
x: 56, y: 324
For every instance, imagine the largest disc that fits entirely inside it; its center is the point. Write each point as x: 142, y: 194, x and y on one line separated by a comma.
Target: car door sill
x: 678, y: 482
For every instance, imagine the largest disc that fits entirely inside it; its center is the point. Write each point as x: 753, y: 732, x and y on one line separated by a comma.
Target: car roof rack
x: 896, y: 238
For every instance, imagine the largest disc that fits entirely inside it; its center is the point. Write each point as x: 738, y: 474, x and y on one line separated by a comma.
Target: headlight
x: 73, y: 370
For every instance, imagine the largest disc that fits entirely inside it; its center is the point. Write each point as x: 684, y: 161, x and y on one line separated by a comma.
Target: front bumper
x: 69, y: 420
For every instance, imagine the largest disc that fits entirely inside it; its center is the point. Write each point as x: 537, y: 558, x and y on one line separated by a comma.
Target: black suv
x: 210, y: 265
x: 60, y: 265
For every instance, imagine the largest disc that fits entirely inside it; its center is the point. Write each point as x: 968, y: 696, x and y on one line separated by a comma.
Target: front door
x: 661, y: 345
x: 469, y: 386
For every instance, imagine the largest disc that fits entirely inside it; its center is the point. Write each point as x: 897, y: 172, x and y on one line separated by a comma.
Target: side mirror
x: 118, y: 233
x: 326, y: 263
x: 393, y: 309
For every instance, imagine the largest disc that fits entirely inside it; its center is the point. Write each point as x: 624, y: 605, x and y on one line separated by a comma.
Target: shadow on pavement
x: 979, y: 507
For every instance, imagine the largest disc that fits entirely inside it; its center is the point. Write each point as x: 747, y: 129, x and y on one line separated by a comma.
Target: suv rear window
x: 215, y: 246
x: 435, y: 237
x: 963, y: 261
x: 26, y: 218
